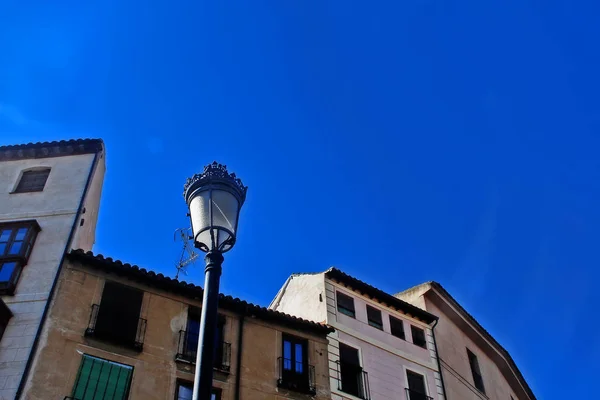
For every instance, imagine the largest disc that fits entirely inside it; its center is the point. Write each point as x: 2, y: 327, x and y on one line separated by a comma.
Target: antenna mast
x: 188, y: 253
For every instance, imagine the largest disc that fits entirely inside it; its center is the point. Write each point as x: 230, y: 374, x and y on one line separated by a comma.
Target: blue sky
x: 401, y: 141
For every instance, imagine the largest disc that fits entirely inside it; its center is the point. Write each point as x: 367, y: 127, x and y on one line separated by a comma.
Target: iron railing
x: 299, y: 377
x: 188, y: 346
x: 353, y: 380
x: 413, y: 395
x: 111, y: 333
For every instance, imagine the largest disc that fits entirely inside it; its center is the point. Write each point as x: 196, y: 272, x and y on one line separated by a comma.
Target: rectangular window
x: 416, y: 386
x: 477, y: 378
x: 185, y: 390
x: 374, y: 317
x: 16, y: 243
x: 100, y: 379
x: 33, y: 181
x: 397, y: 327
x: 118, y: 317
x: 352, y: 378
x: 418, y: 336
x: 345, y: 304
x: 5, y: 316
x: 191, y: 337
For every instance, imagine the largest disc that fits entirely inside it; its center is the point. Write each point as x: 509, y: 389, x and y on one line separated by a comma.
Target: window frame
x: 414, y: 328
x: 475, y: 371
x: 218, y: 392
x: 350, y: 312
x: 394, y: 324
x: 30, y: 188
x: 377, y: 324
x: 21, y: 258
x: 295, y: 340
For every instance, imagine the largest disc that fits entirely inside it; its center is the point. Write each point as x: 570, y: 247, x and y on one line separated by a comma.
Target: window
x: 16, y: 243
x: 418, y: 336
x: 5, y: 316
x: 294, y: 368
x: 100, y: 379
x: 477, y: 379
x: 352, y: 379
x: 117, y: 319
x: 416, y: 386
x: 345, y: 304
x: 33, y: 181
x: 397, y: 327
x: 185, y: 390
x: 188, y: 341
x: 374, y: 317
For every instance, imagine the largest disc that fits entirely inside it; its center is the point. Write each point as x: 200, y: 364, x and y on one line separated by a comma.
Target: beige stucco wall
x: 303, y: 296
x: 155, y: 369
x: 55, y: 210
x: 452, y: 346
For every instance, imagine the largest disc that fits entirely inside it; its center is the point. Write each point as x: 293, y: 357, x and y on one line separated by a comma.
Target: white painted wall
x: 303, y: 296
x: 55, y: 211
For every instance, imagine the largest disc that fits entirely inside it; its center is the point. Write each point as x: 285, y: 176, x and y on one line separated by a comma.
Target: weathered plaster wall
x: 155, y: 369
x: 303, y: 296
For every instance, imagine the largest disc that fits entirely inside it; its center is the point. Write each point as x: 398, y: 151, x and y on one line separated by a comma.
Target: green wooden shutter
x: 102, y: 380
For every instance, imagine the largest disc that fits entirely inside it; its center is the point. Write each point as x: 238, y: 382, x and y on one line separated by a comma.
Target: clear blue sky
x: 400, y: 141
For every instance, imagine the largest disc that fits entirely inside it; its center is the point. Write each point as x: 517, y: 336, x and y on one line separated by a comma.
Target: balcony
x: 187, y: 349
x: 413, y: 395
x: 129, y: 332
x: 300, y: 379
x: 353, y: 380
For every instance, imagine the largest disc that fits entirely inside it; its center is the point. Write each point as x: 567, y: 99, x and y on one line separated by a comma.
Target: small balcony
x: 414, y: 395
x: 187, y: 350
x: 299, y: 378
x: 107, y: 325
x: 353, y: 380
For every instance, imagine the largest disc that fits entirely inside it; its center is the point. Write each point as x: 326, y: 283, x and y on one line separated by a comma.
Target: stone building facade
x: 117, y: 331
x: 382, y: 348
x: 49, y: 203
x: 474, y: 365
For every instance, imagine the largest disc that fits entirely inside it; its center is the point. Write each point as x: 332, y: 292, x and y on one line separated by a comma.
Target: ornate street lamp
x: 214, y: 199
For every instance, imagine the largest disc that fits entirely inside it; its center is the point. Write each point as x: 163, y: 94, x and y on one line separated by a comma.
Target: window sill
x: 135, y: 346
x: 225, y: 369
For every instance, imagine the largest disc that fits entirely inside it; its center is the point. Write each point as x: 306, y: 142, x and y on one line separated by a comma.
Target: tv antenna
x: 188, y: 253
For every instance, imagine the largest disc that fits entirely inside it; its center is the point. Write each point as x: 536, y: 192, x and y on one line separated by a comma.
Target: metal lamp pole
x: 214, y: 199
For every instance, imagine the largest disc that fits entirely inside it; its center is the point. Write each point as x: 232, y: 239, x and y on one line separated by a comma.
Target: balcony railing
x: 115, y: 333
x: 413, y: 395
x: 353, y: 380
x: 299, y: 377
x: 188, y: 346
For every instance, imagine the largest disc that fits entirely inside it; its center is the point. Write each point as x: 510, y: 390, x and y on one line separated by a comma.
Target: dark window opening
x: 33, y: 181
x: 416, y: 386
x: 374, y: 317
x: 397, y: 327
x: 418, y: 336
x: 5, y: 316
x: 352, y: 379
x: 477, y: 378
x: 185, y: 390
x: 117, y: 318
x: 102, y: 380
x: 16, y: 243
x: 188, y: 341
x: 345, y: 304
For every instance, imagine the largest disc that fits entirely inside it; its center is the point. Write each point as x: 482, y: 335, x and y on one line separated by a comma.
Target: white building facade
x: 382, y: 348
x: 49, y: 203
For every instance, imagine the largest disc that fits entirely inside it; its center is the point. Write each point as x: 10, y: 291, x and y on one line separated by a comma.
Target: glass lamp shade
x: 214, y: 198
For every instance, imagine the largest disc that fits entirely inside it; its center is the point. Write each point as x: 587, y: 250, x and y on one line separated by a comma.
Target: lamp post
x: 214, y: 200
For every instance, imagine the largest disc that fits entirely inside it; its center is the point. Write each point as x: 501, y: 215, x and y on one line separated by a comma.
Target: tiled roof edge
x: 50, y: 149
x: 192, y: 291
x: 486, y: 334
x: 380, y: 295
